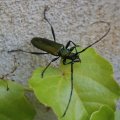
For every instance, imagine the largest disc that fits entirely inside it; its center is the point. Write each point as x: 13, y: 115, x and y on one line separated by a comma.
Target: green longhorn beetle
x: 59, y: 50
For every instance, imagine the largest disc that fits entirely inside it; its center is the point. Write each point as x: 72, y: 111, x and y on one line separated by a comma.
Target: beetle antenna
x: 98, y: 39
x: 52, y: 29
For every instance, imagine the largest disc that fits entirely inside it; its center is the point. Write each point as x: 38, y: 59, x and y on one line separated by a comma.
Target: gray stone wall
x: 21, y: 20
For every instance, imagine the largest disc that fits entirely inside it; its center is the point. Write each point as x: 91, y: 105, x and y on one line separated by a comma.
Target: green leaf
x: 117, y: 115
x: 104, y: 113
x: 13, y: 104
x: 94, y: 86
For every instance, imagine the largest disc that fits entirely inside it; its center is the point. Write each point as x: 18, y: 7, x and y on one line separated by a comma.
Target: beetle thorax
x: 67, y: 54
x: 63, y: 52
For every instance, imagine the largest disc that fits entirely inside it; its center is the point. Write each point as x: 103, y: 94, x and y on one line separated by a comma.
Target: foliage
x: 13, y: 103
x: 95, y: 90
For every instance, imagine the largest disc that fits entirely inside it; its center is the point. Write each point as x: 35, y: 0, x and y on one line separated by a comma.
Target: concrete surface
x: 21, y: 20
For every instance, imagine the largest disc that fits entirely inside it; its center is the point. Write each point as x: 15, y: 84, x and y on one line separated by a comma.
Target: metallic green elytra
x: 47, y: 45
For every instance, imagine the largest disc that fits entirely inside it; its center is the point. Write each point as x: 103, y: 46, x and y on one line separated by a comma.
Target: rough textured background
x: 21, y: 20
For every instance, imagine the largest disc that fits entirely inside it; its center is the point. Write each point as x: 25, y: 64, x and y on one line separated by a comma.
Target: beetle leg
x: 71, y: 91
x: 48, y: 66
x: 52, y: 29
x: 77, y: 60
x: 35, y: 53
x: 66, y: 63
x: 71, y: 49
x: 68, y: 44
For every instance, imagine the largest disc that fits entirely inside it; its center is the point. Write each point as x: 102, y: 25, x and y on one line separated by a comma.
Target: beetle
x: 59, y: 50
